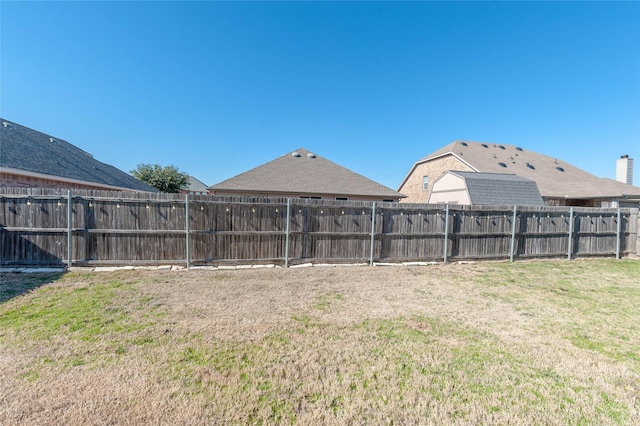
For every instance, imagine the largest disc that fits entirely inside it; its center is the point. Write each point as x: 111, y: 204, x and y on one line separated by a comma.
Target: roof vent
x: 519, y: 149
x: 560, y: 169
x: 464, y: 144
x: 295, y: 154
x: 6, y: 124
x: 311, y: 155
x: 501, y: 147
x: 530, y: 166
x: 484, y: 145
x: 52, y: 140
x: 502, y: 165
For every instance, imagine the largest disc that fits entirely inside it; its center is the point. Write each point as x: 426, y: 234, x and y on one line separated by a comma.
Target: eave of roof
x: 55, y: 178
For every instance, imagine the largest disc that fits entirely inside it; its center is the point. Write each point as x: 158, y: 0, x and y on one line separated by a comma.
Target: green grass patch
x: 487, y: 343
x: 100, y: 320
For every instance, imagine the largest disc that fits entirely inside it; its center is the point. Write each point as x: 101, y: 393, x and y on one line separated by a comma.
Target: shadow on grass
x: 15, y: 284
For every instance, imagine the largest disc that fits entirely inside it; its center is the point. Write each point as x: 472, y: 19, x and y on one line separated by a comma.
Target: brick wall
x: 18, y: 181
x: 412, y: 188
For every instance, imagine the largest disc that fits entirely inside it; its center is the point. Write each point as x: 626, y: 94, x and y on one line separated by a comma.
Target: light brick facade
x: 10, y: 180
x: 412, y: 186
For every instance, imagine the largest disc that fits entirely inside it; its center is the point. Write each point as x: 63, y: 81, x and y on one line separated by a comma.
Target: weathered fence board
x: 138, y: 228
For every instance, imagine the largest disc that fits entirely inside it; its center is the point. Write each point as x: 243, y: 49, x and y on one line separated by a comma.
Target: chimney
x: 624, y: 169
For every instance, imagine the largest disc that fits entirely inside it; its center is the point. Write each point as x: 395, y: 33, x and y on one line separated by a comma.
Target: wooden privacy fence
x: 114, y: 228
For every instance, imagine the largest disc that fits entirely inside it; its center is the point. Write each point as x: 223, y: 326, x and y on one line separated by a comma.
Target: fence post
x: 513, y: 232
x: 570, y: 245
x: 618, y: 234
x: 187, y: 231
x: 286, y: 238
x: 446, y: 233
x: 373, y: 233
x: 69, y: 229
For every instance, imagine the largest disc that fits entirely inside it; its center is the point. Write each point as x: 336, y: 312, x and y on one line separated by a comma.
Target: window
x: 341, y: 198
x: 310, y: 197
x: 425, y: 182
x: 388, y: 201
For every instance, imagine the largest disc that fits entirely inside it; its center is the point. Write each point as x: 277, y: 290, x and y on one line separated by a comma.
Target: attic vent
x: 484, y: 145
x: 530, y: 166
x: 560, y: 169
x: 518, y: 148
x: 295, y: 154
x: 52, y: 140
x: 311, y: 155
x: 6, y: 124
x: 502, y: 165
x: 464, y: 144
x: 501, y: 147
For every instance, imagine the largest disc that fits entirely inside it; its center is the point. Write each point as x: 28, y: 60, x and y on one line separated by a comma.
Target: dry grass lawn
x: 548, y: 342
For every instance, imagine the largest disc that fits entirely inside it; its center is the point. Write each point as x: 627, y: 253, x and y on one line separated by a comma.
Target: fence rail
x: 46, y: 227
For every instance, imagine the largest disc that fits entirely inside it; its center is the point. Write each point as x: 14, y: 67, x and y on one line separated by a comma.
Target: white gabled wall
x: 449, y: 188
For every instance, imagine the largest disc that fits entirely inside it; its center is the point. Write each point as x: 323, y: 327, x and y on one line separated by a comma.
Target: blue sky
x: 217, y: 88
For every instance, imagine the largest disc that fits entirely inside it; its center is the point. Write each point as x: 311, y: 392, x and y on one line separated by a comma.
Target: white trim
x: 435, y: 157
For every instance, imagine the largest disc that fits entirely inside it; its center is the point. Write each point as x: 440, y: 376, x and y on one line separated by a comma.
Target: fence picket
x: 144, y: 228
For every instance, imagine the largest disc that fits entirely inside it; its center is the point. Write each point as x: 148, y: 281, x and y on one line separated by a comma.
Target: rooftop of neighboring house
x: 24, y: 150
x: 500, y: 189
x: 554, y: 177
x: 303, y: 172
x: 196, y: 185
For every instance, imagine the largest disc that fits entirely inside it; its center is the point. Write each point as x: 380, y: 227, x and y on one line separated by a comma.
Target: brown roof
x: 554, y: 177
x: 303, y: 172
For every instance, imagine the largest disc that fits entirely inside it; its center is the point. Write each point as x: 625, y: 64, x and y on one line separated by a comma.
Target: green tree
x: 166, y: 179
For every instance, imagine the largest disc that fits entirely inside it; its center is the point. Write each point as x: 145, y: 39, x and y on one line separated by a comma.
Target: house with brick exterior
x: 303, y: 174
x: 32, y: 159
x: 559, y: 182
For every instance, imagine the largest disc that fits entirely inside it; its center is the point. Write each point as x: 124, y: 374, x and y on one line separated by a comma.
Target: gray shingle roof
x: 303, y: 172
x: 554, y: 177
x: 26, y: 149
x: 196, y: 185
x: 499, y: 189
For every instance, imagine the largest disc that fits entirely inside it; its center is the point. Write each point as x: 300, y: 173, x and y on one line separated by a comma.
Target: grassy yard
x: 545, y: 342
